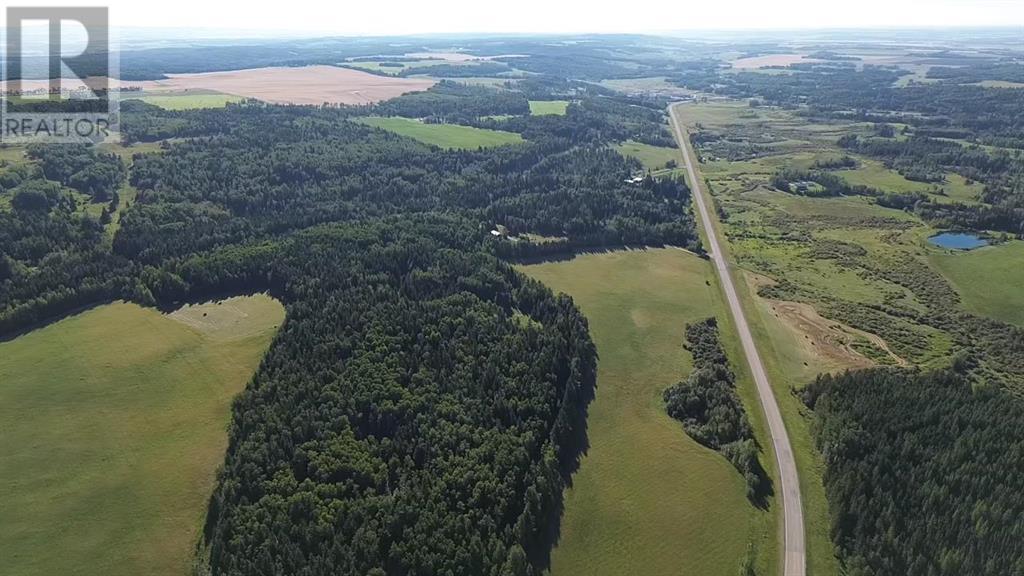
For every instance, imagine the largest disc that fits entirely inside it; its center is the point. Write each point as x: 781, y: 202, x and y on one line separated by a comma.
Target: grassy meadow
x: 189, y: 101
x: 873, y: 173
x: 548, y: 107
x: 658, y: 85
x: 12, y: 154
x: 452, y: 136
x: 647, y: 498
x: 112, y: 425
x: 989, y: 279
x: 1000, y: 84
x: 652, y: 157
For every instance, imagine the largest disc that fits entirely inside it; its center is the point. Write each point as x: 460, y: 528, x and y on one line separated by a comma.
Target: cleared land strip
x: 795, y: 556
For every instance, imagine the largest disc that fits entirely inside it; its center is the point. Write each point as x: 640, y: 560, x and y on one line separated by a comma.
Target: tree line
x: 711, y: 412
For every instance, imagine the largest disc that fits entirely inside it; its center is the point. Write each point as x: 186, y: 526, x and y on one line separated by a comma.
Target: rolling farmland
x: 647, y: 498
x: 113, y: 425
x: 444, y: 135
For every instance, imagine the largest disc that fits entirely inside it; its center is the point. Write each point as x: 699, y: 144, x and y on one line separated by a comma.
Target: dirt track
x: 795, y: 555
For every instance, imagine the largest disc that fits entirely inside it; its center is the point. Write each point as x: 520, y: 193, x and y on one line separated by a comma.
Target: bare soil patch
x: 823, y: 337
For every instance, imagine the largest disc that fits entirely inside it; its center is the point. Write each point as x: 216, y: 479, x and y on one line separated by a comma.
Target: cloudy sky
x: 356, y: 17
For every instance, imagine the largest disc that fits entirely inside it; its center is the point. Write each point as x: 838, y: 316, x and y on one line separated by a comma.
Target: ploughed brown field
x: 278, y: 85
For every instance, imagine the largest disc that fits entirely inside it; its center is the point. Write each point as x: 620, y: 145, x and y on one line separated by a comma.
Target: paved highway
x: 795, y: 556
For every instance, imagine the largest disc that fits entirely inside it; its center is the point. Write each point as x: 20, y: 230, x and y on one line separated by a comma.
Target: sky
x: 393, y: 17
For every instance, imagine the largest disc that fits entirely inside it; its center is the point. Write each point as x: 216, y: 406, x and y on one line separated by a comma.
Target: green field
x: 189, y: 101
x: 548, y: 107
x: 872, y: 173
x: 12, y: 154
x: 989, y: 280
x: 651, y: 85
x: 648, y: 499
x: 375, y: 66
x: 1000, y: 84
x: 127, y: 151
x: 451, y: 136
x: 652, y: 157
x: 112, y: 425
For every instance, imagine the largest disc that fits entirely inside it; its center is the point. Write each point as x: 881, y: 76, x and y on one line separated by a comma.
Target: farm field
x: 1000, y: 84
x: 548, y: 107
x: 652, y: 157
x: 294, y: 85
x: 112, y: 425
x: 127, y: 151
x: 393, y: 67
x: 188, y: 101
x: 443, y: 135
x: 651, y: 85
x: 755, y: 62
x: 988, y: 280
x: 647, y: 498
x: 12, y: 154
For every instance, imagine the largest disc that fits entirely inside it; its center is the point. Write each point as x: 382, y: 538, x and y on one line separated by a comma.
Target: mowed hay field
x: 647, y: 498
x: 451, y: 136
x: 187, y: 101
x: 652, y: 157
x: 989, y: 279
x: 112, y: 425
x: 548, y: 107
x: 293, y: 85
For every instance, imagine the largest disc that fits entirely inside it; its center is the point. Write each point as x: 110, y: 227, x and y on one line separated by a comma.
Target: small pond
x: 958, y: 241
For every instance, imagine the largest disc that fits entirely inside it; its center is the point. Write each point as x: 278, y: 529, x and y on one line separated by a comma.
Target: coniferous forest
x: 921, y: 472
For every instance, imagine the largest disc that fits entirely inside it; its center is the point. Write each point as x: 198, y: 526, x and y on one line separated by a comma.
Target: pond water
x: 958, y: 241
